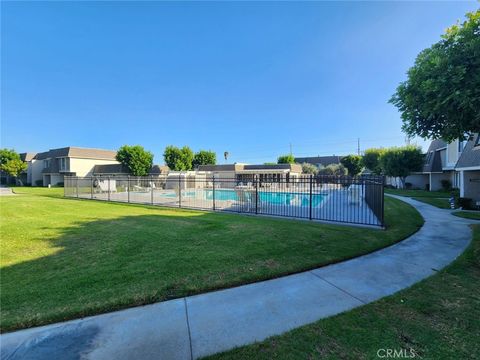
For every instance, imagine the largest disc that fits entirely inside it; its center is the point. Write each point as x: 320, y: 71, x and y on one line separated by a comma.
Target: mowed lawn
x: 66, y: 258
x: 437, y: 318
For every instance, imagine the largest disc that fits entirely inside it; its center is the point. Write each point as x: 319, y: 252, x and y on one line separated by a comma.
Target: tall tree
x: 286, y: 159
x: 371, y: 160
x: 138, y: 160
x: 401, y: 161
x: 11, y: 164
x: 204, y: 157
x: 353, y: 164
x: 225, y: 155
x: 178, y: 159
x: 441, y: 96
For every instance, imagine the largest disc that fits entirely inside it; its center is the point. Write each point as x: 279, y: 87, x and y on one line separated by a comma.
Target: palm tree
x: 225, y: 155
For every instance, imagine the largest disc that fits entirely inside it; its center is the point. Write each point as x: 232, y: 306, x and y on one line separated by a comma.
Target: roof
x: 433, y: 159
x: 240, y: 167
x: 471, y: 153
x: 319, y: 160
x: 77, y: 152
x: 27, y: 156
x: 110, y: 169
x: 224, y: 167
x: 120, y: 169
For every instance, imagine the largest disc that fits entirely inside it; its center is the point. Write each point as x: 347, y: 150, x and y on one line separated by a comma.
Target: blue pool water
x: 275, y: 198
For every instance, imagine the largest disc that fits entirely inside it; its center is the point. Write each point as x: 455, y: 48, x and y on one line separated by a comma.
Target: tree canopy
x: 138, y: 160
x: 401, y: 161
x: 286, y: 159
x: 308, y: 168
x: 353, y: 164
x: 441, y: 96
x: 332, y: 169
x: 178, y: 159
x: 11, y: 164
x: 204, y: 157
x: 371, y: 160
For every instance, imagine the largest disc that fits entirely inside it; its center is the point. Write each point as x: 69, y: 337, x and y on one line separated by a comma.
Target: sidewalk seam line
x: 188, y: 328
x: 335, y: 286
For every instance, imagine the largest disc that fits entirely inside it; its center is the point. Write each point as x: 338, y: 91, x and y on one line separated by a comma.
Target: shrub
x: 464, y: 203
x: 408, y: 185
x: 39, y: 182
x: 446, y: 184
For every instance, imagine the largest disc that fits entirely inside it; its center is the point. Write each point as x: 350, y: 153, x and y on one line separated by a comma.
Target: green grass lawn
x: 419, y: 193
x: 439, y: 318
x: 474, y: 215
x: 65, y: 258
x: 441, y: 203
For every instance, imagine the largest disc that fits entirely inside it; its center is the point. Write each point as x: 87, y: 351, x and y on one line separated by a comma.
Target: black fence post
x: 151, y: 188
x: 179, y: 191
x: 311, y: 197
x: 256, y: 194
x: 383, y: 200
x: 108, y: 195
x: 128, y: 188
x: 76, y: 185
x: 91, y: 188
x: 213, y: 182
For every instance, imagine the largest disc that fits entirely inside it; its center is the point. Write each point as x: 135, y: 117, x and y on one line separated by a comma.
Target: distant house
x: 457, y: 162
x: 246, y: 173
x: 319, y: 161
x: 49, y: 167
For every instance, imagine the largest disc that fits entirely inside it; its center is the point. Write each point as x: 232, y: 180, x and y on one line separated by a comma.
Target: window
x: 461, y: 144
x: 46, y: 163
x: 62, y: 163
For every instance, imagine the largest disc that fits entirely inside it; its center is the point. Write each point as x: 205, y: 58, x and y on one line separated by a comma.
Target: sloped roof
x: 120, y: 169
x: 433, y: 159
x: 27, y: 156
x: 319, y: 160
x: 77, y: 152
x: 471, y: 153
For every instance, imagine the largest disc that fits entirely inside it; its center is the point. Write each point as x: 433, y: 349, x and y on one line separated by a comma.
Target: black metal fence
x: 357, y: 200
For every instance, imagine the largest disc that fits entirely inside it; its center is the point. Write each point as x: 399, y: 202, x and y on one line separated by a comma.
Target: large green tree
x: 441, y: 96
x: 204, y: 157
x: 286, y: 159
x: 11, y: 164
x: 401, y: 161
x: 353, y: 163
x: 138, y: 160
x: 308, y: 168
x: 371, y: 160
x: 178, y: 159
x: 332, y: 169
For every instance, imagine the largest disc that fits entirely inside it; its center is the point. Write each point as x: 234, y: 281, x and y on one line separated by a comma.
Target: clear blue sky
x: 249, y: 78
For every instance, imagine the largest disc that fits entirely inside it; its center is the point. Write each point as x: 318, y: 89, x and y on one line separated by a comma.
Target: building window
x: 461, y: 144
x: 46, y: 164
x: 62, y: 163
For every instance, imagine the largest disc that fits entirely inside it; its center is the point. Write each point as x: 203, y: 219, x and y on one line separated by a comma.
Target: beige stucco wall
x: 84, y: 167
x: 37, y: 167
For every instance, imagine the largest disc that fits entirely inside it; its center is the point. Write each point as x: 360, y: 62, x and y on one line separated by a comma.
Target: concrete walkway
x: 5, y: 191
x: 196, y: 326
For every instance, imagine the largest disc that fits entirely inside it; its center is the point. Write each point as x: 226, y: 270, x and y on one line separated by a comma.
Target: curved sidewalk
x: 197, y: 326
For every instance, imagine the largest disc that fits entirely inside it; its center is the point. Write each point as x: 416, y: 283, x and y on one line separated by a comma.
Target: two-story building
x: 49, y: 167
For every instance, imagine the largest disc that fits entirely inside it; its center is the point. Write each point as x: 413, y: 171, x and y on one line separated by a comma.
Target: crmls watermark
x: 396, y: 353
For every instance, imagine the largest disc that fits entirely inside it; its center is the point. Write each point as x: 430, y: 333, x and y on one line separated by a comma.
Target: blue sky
x: 248, y: 78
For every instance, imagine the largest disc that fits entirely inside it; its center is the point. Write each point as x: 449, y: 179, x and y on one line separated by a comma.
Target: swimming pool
x: 266, y: 197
